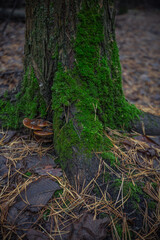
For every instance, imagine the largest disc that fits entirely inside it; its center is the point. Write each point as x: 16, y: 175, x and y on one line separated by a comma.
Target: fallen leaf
x: 48, y: 170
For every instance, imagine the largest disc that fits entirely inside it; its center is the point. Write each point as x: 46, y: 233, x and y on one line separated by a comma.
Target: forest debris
x: 36, y: 235
x: 86, y: 227
x: 24, y: 212
x: 35, y: 161
x: 48, y: 169
x: 7, y: 136
x: 36, y: 195
x: 3, y: 167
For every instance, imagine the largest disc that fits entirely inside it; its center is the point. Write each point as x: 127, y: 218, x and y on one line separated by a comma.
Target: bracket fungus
x: 42, y: 123
x: 43, y: 133
x: 42, y: 129
x: 31, y: 124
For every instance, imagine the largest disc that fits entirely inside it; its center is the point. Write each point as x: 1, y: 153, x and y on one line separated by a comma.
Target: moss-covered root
x: 147, y: 124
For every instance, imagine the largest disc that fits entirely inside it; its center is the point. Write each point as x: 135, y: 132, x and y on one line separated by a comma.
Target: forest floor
x: 123, y: 201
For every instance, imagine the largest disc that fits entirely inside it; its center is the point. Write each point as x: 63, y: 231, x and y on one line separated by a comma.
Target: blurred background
x: 138, y: 37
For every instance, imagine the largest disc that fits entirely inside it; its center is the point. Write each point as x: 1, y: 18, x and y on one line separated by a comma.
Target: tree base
x: 147, y: 123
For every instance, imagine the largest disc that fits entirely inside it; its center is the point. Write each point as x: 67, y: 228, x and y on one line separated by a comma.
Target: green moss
x: 28, y: 174
x: 96, y: 191
x: 93, y: 87
x: 29, y: 103
x: 119, y: 230
x: 46, y: 214
x: 152, y: 205
x: 106, y: 177
x: 154, y: 185
x: 109, y: 157
x: 135, y: 190
x: 58, y: 193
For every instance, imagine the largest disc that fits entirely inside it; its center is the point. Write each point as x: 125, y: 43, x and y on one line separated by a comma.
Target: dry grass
x: 132, y: 165
x: 155, y: 110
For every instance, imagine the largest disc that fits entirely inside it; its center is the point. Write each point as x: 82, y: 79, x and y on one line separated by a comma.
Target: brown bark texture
x: 50, y: 26
x: 50, y: 31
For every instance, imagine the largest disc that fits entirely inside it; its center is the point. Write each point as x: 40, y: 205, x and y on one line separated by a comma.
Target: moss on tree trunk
x: 88, y: 97
x: 72, y: 58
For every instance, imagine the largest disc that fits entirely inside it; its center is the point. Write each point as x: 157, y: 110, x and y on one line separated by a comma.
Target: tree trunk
x: 72, y: 69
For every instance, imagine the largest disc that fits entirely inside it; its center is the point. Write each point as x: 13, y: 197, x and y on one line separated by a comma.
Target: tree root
x: 148, y: 124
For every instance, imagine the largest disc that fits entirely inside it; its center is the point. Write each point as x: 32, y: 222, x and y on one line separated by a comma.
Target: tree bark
x: 51, y: 29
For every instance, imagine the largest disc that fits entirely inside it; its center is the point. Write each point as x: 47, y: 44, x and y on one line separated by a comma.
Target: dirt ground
x: 138, y: 36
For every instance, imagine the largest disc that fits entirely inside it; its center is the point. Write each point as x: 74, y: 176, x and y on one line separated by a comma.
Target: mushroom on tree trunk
x: 42, y: 129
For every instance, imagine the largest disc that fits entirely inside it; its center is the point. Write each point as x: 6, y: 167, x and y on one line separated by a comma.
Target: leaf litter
x: 113, y: 204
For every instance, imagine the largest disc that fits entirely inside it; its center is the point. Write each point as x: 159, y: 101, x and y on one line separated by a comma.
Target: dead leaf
x: 49, y: 170
x: 88, y: 228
